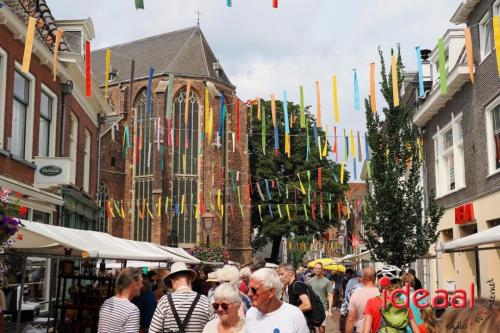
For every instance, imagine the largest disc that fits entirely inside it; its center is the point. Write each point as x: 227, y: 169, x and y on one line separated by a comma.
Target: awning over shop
x: 360, y: 256
x: 181, y: 253
x: 43, y: 239
x: 488, y: 236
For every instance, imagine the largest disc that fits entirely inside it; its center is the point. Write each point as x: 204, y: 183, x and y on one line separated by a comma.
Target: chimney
x: 426, y: 69
x: 217, y: 68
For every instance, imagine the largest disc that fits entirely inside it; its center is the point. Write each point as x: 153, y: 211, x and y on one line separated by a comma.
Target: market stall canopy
x: 488, y: 236
x: 335, y: 267
x: 360, y: 256
x: 187, y: 258
x: 113, y: 264
x: 43, y: 239
x: 324, y: 261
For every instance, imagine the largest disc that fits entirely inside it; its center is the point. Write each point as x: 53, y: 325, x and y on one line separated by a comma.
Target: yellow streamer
x: 279, y: 211
x: 342, y: 170
x: 395, y: 84
x: 325, y: 145
x: 288, y: 212
x: 302, y: 189
x: 318, y: 105
x: 273, y: 109
x: 259, y: 114
x: 158, y: 208
x: 196, y: 212
x: 210, y: 124
x: 335, y: 99
x: 122, y: 212
x: 496, y: 32
x: 218, y: 199
x: 108, y: 66
x: 150, y: 213
x: 28, y: 45
x: 319, y: 148
x: 183, y: 201
x: 207, y: 111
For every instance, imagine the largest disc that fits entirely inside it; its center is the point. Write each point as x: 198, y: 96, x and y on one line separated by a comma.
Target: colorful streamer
x: 395, y: 83
x: 186, y: 105
x: 470, y: 53
x: 352, y: 144
x: 88, y: 78
x: 222, y: 115
x: 373, y: 99
x: 28, y: 45
x: 318, y: 105
x: 259, y: 116
x: 360, y: 156
x: 207, y: 110
x: 148, y: 89
x: 59, y: 34
x: 421, y: 91
x: 335, y: 99
x: 342, y: 171
x: 106, y: 74
x: 275, y: 3
x: 302, y: 109
x: 442, y: 67
x: 496, y: 34
x: 264, y: 141
x: 139, y: 4
x: 356, y: 92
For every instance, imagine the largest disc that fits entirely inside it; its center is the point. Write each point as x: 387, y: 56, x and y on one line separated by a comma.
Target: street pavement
x: 332, y: 325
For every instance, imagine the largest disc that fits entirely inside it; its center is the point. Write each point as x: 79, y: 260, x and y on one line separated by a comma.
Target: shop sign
x: 464, y: 214
x: 52, y: 171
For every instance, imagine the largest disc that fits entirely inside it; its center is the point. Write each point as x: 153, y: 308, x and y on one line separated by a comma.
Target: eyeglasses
x: 224, y: 306
x: 254, y: 290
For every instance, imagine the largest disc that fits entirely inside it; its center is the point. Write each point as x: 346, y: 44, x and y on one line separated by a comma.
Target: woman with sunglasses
x: 226, y: 302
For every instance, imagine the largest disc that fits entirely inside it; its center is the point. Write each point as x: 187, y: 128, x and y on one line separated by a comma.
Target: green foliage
x: 273, y: 166
x: 397, y: 230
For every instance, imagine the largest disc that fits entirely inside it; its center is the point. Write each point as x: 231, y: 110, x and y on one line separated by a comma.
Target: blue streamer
x: 285, y: 111
x: 148, y: 91
x: 335, y: 176
x: 354, y: 168
x: 276, y: 138
x: 356, y: 91
x: 222, y: 114
x: 229, y: 3
x: 367, y: 149
x: 308, y: 143
x: 267, y: 189
x: 315, y: 132
x: 421, y: 91
x: 270, y: 210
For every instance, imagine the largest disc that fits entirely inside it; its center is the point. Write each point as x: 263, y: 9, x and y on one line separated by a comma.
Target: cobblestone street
x: 332, y: 325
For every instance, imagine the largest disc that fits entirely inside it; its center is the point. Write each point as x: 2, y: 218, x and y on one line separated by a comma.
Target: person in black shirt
x: 418, y: 284
x: 297, y: 291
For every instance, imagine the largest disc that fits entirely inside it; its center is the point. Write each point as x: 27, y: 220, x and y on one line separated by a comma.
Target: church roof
x: 181, y: 52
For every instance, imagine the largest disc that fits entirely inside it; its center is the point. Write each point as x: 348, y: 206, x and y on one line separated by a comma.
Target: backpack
x: 316, y: 316
x: 394, y: 320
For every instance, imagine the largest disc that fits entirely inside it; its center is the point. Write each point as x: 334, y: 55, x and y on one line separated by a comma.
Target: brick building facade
x: 39, y: 118
x: 171, y: 161
x: 461, y: 146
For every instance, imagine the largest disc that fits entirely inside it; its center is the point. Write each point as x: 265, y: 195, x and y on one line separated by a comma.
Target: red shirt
x: 373, y: 307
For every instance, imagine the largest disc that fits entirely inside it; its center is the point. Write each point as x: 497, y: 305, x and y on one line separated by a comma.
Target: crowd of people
x: 281, y: 300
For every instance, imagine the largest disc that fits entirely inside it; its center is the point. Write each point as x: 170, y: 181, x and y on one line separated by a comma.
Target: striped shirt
x: 164, y: 321
x: 118, y: 315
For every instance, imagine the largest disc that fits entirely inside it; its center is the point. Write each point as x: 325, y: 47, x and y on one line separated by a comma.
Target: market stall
x: 82, y: 279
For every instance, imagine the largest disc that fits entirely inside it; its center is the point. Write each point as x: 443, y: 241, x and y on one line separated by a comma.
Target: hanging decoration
x: 59, y: 34
x: 88, y: 78
x: 139, y: 4
x: 264, y: 141
x: 421, y: 91
x: 318, y: 105
x: 222, y: 116
x: 470, y: 54
x: 276, y: 134
x: 28, y: 45
x: 275, y: 3
x: 287, y: 125
x: 395, y: 83
x: 229, y: 3
x: 496, y: 35
x: 106, y: 74
x: 373, y: 99
x: 335, y: 99
x: 442, y: 67
x: 356, y: 92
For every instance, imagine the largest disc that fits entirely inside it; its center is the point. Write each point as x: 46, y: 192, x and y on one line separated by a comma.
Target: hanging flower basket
x: 211, y: 252
x: 9, y: 225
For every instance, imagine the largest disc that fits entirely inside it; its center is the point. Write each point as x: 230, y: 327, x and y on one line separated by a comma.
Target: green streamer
x: 302, y: 113
x: 139, y: 4
x: 442, y: 67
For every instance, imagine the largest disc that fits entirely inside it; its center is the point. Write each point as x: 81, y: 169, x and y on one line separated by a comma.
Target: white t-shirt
x: 286, y: 319
x: 211, y: 327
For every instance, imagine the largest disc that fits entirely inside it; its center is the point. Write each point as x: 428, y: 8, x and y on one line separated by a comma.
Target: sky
x: 266, y: 51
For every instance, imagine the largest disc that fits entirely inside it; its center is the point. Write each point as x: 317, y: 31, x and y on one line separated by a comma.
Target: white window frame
x: 496, y: 9
x: 30, y: 115
x: 492, y: 170
x: 53, y: 123
x: 440, y: 163
x: 3, y: 85
x: 73, y: 145
x: 86, y: 160
x: 485, y: 25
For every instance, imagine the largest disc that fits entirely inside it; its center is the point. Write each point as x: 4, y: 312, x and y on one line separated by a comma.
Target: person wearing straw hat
x: 160, y: 288
x: 183, y: 310
x: 214, y: 282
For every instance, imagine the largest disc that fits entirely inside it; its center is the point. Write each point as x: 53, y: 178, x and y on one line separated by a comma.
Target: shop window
x: 73, y: 144
x: 47, y: 126
x: 19, y: 115
x: 485, y: 35
x: 41, y: 217
x: 3, y: 82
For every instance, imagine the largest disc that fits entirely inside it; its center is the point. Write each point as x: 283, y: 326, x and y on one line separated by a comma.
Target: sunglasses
x: 224, y: 306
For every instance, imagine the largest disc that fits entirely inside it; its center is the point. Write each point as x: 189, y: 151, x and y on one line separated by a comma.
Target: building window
x: 102, y: 198
x: 73, y: 143
x: 449, y: 158
x: 44, y: 137
x: 485, y: 35
x: 41, y: 217
x: 3, y: 82
x: 493, y: 135
x: 144, y: 209
x: 185, y: 166
x: 86, y: 161
x: 19, y: 115
x: 496, y: 8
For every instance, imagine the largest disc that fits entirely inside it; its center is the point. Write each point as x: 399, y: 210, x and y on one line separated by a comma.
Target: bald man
x: 359, y: 299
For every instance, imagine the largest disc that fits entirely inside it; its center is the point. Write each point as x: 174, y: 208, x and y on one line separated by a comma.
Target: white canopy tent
x: 488, y: 236
x: 43, y: 239
x: 360, y: 256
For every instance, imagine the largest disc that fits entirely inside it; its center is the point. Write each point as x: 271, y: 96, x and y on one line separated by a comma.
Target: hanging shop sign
x: 52, y: 171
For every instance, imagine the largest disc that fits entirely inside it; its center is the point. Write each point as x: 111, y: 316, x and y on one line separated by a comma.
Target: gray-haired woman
x: 226, y: 302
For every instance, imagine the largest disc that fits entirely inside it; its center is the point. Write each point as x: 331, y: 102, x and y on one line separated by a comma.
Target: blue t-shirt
x: 147, y: 306
x: 415, y: 309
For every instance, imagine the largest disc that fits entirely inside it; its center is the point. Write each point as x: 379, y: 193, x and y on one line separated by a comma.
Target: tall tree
x: 281, y: 171
x: 397, y: 228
